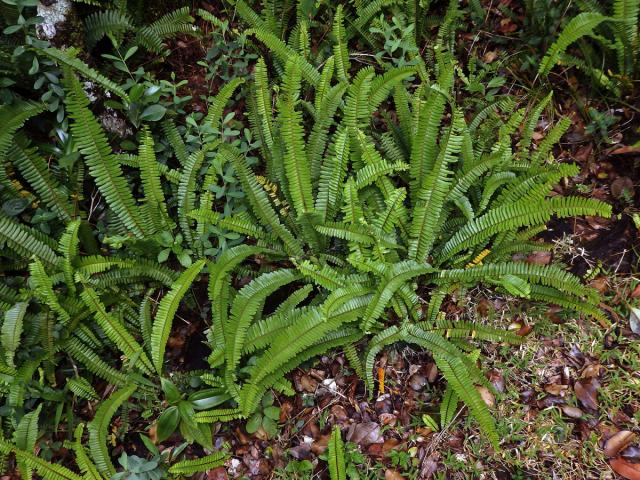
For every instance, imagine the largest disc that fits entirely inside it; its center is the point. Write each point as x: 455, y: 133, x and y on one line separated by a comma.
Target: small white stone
x: 52, y: 15
x: 330, y: 384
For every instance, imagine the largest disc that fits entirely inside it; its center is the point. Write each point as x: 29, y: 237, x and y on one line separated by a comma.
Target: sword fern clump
x: 375, y: 218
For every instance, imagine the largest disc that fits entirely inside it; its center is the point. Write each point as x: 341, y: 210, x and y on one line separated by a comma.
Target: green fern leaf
x: 99, y: 429
x: 166, y: 311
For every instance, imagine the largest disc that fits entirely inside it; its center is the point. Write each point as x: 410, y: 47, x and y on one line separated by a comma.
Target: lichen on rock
x: 53, y: 13
x: 61, y: 24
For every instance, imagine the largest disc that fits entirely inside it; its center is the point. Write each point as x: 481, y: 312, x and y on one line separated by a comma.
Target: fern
x: 166, y: 311
x: 579, y: 26
x: 203, y: 464
x: 93, y: 144
x: 68, y: 58
x: 335, y: 456
x: 99, y: 428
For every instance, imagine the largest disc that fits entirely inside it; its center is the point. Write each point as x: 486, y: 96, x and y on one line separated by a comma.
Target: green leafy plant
x: 353, y: 224
x: 266, y: 418
x: 615, y: 32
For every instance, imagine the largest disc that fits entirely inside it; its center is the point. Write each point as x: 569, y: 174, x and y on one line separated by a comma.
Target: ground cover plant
x: 334, y: 240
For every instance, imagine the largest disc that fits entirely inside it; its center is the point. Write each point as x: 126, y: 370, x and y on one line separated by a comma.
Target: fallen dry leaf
x: 632, y: 453
x: 539, y: 258
x: 622, y: 186
x: 365, y: 433
x: 618, y: 442
x: 490, y: 56
x: 556, y: 389
x: 217, y: 474
x: 624, y: 150
x: 572, y: 412
x: 392, y: 475
x: 634, y: 320
x: 487, y: 396
x: 628, y: 470
x: 587, y: 392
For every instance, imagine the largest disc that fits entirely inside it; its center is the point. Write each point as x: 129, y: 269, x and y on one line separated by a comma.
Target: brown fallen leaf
x: 591, y: 371
x: 625, y: 150
x: 217, y: 474
x: 587, y: 392
x: 365, y: 433
x: 392, y: 475
x: 539, y: 258
x: 487, y: 396
x: 556, y: 389
x: 630, y: 471
x: 572, y: 412
x: 622, y: 186
x: 618, y: 442
x: 497, y: 380
x: 631, y: 453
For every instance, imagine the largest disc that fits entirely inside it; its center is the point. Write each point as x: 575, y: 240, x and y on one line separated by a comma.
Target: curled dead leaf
x: 392, y: 475
x: 621, y: 187
x: 556, y: 389
x: 487, y: 396
x: 618, y: 442
x: 630, y: 471
x: 587, y: 392
x: 572, y: 412
x: 365, y: 433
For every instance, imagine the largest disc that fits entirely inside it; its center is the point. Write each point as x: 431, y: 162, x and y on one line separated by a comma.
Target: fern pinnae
x: 219, y: 280
x: 286, y: 54
x: 86, y: 465
x: 260, y: 204
x: 48, y: 471
x: 202, y: 464
x: 166, y: 311
x: 186, y: 193
x: 454, y: 371
x: 340, y: 49
x: 295, y: 160
x: 217, y: 104
x: 579, y: 26
x: 35, y: 170
x: 153, y: 193
x: 396, y: 276
x: 431, y: 196
x: 99, y: 428
x: 244, y: 308
x: 335, y: 456
x: 115, y: 330
x: 27, y: 241
x: 424, y: 140
x: 69, y: 60
x: 25, y: 437
x: 92, y: 143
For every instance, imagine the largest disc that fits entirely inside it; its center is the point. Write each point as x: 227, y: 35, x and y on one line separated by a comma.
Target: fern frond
x: 516, y: 215
x: 202, y: 464
x: 99, y: 429
x: 92, y: 143
x: 48, y: 471
x: 115, y: 330
x: 27, y: 242
x: 579, y: 26
x: 335, y: 456
x: 167, y: 310
x: 68, y: 58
